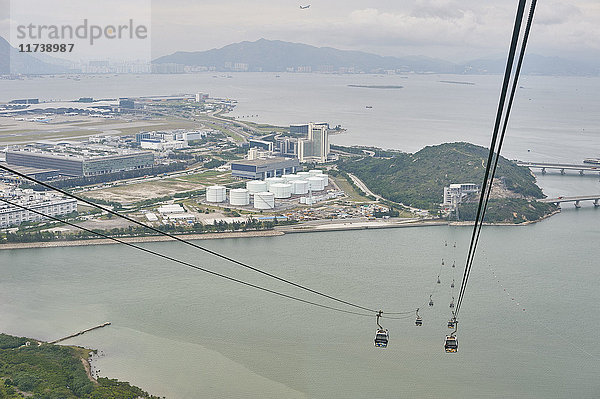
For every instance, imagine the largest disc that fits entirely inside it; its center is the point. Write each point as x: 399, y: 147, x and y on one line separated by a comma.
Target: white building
x: 162, y: 145
x: 455, y: 193
x: 200, y: 97
x: 50, y: 204
x: 170, y: 208
x: 316, y: 147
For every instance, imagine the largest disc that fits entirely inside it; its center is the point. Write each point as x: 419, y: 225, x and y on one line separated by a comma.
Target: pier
x: 562, y: 167
x: 576, y: 200
x: 80, y: 333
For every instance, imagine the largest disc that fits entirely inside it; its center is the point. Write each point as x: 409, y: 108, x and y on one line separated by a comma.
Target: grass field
x: 352, y: 194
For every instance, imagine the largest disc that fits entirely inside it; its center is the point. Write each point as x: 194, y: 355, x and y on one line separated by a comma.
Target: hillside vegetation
x: 53, y: 372
x: 419, y: 179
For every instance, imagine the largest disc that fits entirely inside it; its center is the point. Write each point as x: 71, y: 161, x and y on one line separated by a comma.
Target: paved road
x: 364, y: 187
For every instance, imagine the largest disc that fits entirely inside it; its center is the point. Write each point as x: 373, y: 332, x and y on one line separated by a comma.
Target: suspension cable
x: 217, y: 254
x: 494, y: 153
x: 170, y: 258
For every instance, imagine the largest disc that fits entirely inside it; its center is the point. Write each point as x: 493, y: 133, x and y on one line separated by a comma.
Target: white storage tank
x: 281, y: 190
x: 273, y: 180
x: 304, y: 175
x: 315, y: 172
x: 215, y: 194
x: 325, y: 179
x: 291, y: 178
x: 256, y: 186
x: 300, y: 187
x: 316, y: 183
x: 264, y: 200
x: 239, y: 196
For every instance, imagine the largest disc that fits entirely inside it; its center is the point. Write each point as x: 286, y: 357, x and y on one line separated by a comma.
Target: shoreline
x: 135, y: 240
x: 278, y: 231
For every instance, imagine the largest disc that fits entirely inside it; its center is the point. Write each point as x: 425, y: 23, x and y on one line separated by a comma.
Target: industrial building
x: 78, y: 161
x: 455, y: 193
x: 50, y: 204
x: 261, y: 144
x: 36, y: 173
x: 167, y: 140
x: 260, y: 169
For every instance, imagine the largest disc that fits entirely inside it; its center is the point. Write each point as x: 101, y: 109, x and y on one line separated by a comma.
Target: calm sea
x: 183, y: 334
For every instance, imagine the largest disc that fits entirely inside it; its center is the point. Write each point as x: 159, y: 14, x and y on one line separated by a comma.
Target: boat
x: 594, y: 161
x: 369, y: 106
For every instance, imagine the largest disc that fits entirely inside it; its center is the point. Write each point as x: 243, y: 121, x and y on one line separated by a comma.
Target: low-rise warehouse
x: 260, y: 169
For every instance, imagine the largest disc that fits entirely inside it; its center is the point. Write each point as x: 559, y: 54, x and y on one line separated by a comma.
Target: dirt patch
x: 138, y: 192
x: 88, y: 371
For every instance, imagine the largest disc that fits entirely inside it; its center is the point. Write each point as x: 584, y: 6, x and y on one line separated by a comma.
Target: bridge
x: 576, y: 200
x: 562, y: 167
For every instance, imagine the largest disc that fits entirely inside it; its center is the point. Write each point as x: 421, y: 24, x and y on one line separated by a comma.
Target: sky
x: 448, y: 29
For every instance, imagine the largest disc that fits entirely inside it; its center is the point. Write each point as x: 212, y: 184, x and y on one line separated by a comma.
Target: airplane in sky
x: 304, y: 7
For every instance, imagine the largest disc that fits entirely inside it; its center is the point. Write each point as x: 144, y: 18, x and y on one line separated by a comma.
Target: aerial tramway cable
x: 217, y: 254
x: 497, y: 137
x: 167, y: 257
x: 388, y: 315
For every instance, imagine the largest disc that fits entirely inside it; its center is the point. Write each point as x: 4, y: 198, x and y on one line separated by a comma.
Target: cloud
x: 438, y: 28
x: 556, y: 13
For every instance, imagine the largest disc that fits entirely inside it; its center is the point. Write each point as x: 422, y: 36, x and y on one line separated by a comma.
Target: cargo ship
x: 593, y: 161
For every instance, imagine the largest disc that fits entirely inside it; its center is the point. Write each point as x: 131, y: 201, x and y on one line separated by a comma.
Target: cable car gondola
x: 419, y: 320
x: 382, y: 336
x: 439, y: 281
x: 452, y: 285
x: 451, y: 323
x: 430, y: 301
x: 451, y: 344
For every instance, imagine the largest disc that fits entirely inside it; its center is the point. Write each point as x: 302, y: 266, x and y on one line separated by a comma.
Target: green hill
x: 419, y: 179
x: 53, y: 371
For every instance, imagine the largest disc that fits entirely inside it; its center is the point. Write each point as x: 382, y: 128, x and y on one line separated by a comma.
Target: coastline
x: 527, y: 223
x: 106, y: 241
x: 278, y: 231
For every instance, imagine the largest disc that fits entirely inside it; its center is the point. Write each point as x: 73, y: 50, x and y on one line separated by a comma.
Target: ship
x: 594, y: 161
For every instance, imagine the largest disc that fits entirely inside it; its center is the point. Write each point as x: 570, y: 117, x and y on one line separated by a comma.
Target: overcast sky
x: 448, y: 29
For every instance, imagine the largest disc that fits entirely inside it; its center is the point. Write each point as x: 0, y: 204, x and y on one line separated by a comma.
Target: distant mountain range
x: 14, y: 62
x: 279, y: 56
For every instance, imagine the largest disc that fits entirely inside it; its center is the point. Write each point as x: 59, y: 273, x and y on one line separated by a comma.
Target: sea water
x: 180, y: 333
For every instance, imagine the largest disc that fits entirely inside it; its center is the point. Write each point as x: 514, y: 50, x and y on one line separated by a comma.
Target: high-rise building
x: 316, y: 146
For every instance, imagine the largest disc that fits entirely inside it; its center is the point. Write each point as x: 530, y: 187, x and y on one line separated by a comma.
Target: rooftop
x: 83, y: 151
x: 262, y: 162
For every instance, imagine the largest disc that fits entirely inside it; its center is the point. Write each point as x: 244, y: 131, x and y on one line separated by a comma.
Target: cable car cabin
x: 450, y: 323
x: 381, y: 338
x: 419, y: 322
x: 451, y: 344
